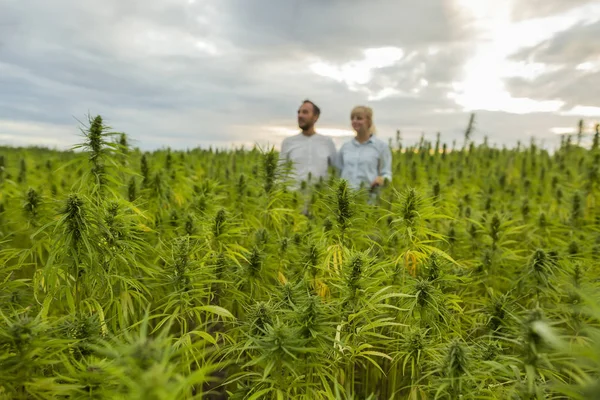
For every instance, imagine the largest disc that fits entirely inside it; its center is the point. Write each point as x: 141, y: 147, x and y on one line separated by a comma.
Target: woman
x: 364, y: 161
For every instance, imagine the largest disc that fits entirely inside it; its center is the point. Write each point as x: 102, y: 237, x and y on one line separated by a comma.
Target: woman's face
x: 359, y: 122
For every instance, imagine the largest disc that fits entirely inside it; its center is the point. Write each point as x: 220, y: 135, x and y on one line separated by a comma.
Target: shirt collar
x: 356, y: 143
x: 303, y: 136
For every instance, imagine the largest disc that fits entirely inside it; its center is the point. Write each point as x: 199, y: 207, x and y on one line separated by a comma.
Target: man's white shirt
x: 309, y: 154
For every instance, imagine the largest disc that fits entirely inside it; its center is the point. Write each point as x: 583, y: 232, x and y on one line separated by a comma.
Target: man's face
x: 306, y: 116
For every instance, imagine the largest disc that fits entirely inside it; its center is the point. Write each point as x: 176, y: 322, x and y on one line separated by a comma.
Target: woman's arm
x: 385, y: 167
x: 386, y: 164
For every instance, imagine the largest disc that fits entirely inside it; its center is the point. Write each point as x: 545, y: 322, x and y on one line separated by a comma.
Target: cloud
x: 182, y: 73
x: 530, y: 9
x: 574, y: 56
x: 341, y: 29
x: 570, y: 47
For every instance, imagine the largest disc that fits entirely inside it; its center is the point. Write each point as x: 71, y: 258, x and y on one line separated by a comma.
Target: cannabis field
x: 196, y: 274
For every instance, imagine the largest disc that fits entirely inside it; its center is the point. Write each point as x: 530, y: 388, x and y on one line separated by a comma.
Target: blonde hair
x: 367, y: 112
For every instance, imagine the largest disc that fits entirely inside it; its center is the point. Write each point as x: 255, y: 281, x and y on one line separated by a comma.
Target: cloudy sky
x: 186, y: 73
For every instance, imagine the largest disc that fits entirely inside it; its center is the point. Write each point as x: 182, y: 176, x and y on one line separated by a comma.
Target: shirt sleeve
x: 386, y: 163
x: 339, y: 159
x: 332, y: 153
x: 283, y: 154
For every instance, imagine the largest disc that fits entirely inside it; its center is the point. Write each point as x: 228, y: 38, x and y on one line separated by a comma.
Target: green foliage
x: 202, y: 274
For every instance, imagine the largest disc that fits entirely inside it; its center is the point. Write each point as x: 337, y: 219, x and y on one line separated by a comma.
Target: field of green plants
x: 195, y: 274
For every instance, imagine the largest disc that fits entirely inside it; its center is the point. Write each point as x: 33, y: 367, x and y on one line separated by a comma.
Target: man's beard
x: 304, y: 126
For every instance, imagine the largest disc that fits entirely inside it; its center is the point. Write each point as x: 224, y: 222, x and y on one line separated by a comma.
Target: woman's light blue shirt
x: 362, y: 163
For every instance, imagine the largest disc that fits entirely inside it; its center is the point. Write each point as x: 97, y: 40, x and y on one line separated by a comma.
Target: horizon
x: 453, y: 145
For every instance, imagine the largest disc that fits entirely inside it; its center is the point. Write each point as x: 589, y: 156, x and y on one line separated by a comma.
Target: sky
x: 227, y: 73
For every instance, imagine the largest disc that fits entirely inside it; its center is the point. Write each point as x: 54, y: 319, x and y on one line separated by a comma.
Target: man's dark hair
x: 316, y: 109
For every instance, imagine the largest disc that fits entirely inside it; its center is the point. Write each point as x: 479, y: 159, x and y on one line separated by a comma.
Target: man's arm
x: 332, y: 157
x: 339, y: 160
x: 285, y: 148
x: 284, y: 155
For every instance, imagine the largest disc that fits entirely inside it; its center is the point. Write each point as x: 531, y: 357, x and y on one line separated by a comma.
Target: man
x: 311, y: 153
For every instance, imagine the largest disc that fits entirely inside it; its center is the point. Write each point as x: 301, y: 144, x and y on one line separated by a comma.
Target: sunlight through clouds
x: 589, y: 66
x: 482, y: 86
x: 589, y: 128
x: 583, y: 111
x: 383, y: 94
x: 562, y: 130
x: 358, y: 73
